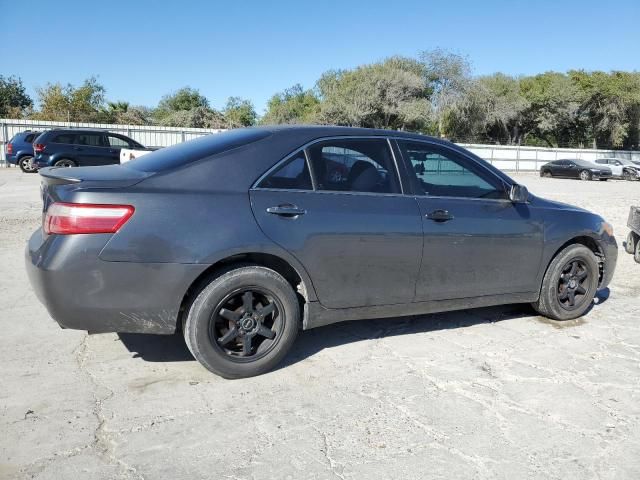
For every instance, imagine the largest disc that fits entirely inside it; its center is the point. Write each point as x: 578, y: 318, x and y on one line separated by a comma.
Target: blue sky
x: 141, y: 50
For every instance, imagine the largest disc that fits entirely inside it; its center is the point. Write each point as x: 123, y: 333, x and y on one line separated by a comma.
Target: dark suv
x: 19, y: 150
x: 77, y: 147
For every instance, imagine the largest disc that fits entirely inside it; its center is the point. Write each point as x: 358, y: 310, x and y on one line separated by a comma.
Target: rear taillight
x: 9, y: 148
x: 38, y: 147
x: 73, y: 218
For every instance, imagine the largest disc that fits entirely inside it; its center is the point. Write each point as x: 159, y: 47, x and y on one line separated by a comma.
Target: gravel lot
x: 486, y: 393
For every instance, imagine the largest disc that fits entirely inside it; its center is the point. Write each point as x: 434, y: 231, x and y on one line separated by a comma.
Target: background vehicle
x: 632, y: 245
x: 575, y: 169
x: 240, y: 238
x: 19, y: 150
x: 621, y: 168
x: 78, y: 147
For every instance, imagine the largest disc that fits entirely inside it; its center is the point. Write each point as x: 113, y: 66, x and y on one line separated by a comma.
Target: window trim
x: 281, y: 164
x: 493, y: 179
x: 304, y: 148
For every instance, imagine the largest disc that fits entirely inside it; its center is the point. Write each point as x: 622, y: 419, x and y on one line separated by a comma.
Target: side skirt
x: 315, y: 315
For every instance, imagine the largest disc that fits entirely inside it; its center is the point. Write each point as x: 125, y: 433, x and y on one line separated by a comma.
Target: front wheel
x: 569, y: 284
x: 25, y: 164
x: 585, y: 175
x: 243, y: 322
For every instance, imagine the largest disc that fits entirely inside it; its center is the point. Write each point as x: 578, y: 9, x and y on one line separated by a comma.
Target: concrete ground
x: 488, y: 393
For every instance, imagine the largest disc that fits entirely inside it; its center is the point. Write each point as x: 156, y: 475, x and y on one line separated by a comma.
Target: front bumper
x: 610, y: 251
x: 82, y: 292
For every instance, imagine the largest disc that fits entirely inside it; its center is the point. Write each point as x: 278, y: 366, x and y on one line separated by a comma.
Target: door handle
x: 77, y: 148
x: 440, y: 216
x: 286, y: 210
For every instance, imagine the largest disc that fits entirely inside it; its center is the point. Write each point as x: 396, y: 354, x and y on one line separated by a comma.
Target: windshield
x: 194, y: 150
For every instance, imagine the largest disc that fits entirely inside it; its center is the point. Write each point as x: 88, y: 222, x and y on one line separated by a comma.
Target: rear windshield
x: 194, y: 150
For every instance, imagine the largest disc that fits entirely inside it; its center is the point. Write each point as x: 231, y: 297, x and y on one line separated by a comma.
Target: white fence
x: 504, y: 157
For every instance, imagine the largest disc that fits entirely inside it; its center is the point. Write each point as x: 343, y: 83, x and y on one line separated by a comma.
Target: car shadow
x: 172, y: 348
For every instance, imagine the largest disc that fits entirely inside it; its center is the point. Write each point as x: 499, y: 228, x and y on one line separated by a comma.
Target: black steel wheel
x: 25, y: 164
x: 247, y: 324
x: 573, y: 283
x: 585, y: 175
x: 569, y: 284
x: 242, y: 322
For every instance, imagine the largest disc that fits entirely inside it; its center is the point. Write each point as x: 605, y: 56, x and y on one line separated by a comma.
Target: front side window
x: 354, y: 165
x: 440, y: 172
x: 117, y: 142
x: 293, y: 175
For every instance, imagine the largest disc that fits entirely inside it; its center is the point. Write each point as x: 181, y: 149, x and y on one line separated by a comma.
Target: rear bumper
x: 82, y: 292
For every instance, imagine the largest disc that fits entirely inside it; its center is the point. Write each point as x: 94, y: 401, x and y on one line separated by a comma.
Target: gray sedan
x: 242, y: 238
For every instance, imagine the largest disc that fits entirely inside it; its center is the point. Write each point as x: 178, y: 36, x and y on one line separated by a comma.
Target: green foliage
x: 387, y: 94
x: 13, y: 98
x: 435, y: 93
x: 239, y: 113
x: 293, y: 105
x: 68, y: 103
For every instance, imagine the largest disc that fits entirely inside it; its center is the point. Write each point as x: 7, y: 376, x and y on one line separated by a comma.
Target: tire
x: 585, y: 175
x: 65, y: 162
x: 627, y: 176
x: 546, y: 174
x: 604, y: 179
x: 205, y: 328
x: 630, y: 244
x: 25, y: 164
x: 560, y: 280
x: 636, y: 253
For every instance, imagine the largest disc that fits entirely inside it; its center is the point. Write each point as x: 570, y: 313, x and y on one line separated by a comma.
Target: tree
x: 448, y: 77
x: 13, y: 98
x: 199, y: 117
x: 293, y: 105
x: 611, y: 102
x: 186, y: 98
x: 68, y: 103
x: 239, y: 113
x: 387, y: 94
x: 554, y: 114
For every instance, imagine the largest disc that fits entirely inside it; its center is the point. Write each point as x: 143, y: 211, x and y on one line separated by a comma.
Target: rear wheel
x: 636, y: 254
x: 569, y: 284
x: 585, y: 175
x: 25, y: 164
x: 243, y: 322
x: 65, y: 162
x: 546, y: 174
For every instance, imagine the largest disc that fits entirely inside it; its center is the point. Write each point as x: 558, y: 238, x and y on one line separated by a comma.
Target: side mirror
x: 518, y: 194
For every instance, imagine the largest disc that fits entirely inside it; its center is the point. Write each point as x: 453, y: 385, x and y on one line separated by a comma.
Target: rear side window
x: 293, y: 175
x: 64, y: 138
x: 194, y: 150
x: 29, y: 138
x: 90, y: 139
x: 354, y: 165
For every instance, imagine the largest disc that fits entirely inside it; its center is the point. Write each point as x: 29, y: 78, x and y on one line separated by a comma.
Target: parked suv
x: 78, y: 147
x: 19, y: 150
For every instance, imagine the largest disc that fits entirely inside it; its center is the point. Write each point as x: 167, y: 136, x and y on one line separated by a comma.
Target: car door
x: 572, y: 169
x: 558, y: 168
x: 91, y: 149
x: 615, y: 166
x: 116, y: 143
x: 476, y: 241
x: 357, y: 235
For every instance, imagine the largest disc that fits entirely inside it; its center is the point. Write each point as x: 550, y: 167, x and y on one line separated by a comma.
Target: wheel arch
x: 589, y: 242
x: 300, y: 283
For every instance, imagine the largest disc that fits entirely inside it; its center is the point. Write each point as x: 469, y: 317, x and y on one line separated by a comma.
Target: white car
x: 621, y: 167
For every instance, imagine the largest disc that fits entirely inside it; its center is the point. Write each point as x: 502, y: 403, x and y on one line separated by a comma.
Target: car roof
x: 333, y: 130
